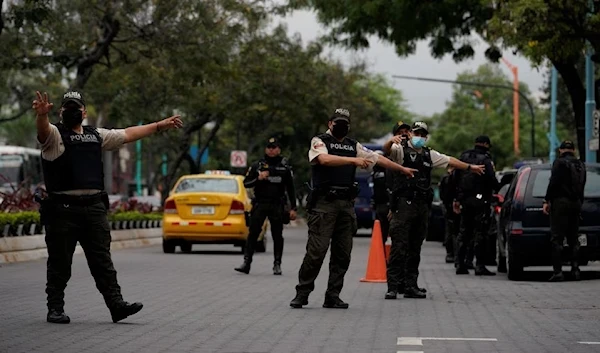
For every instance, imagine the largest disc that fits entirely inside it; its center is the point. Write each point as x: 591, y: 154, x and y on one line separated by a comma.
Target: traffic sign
x: 594, y: 144
x: 238, y: 159
x: 596, y: 122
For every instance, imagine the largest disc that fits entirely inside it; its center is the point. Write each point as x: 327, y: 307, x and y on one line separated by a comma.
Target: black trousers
x: 69, y: 223
x: 474, y: 228
x: 261, y: 211
x: 564, y: 224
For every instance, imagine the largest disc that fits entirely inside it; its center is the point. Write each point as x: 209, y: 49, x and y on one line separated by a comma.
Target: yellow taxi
x: 210, y: 208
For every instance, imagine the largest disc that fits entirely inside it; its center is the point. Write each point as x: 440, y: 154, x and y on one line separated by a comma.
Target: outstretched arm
x: 134, y: 133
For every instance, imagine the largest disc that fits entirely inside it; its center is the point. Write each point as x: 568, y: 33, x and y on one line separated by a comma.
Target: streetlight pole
x: 590, y: 102
x: 515, y: 73
x: 467, y: 83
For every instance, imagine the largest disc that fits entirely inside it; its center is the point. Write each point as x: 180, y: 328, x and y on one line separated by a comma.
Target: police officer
x: 473, y: 203
x: 411, y: 201
x: 334, y: 158
x: 75, y: 209
x: 380, y: 198
x: 270, y: 177
x: 447, y: 187
x: 563, y: 201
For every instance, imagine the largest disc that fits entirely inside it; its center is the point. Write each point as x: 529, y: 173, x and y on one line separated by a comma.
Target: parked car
x: 365, y: 216
x: 525, y: 229
x: 211, y: 208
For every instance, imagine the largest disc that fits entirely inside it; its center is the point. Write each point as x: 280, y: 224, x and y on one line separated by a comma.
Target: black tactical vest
x: 420, y: 184
x: 80, y: 166
x: 472, y: 184
x: 272, y: 188
x: 323, y: 176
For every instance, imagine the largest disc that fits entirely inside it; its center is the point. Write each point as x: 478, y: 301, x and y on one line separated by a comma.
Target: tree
x: 475, y: 111
x: 555, y: 30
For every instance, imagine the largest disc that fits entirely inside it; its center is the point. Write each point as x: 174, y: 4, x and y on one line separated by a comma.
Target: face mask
x: 340, y: 130
x: 72, y: 117
x: 418, y: 141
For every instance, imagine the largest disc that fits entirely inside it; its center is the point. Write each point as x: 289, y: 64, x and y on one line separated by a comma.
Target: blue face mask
x: 418, y: 141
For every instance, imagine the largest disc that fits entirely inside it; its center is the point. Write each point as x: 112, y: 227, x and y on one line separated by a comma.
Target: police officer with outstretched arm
x: 411, y: 201
x: 334, y: 158
x: 563, y: 201
x: 270, y: 177
x: 76, y: 207
x: 473, y: 204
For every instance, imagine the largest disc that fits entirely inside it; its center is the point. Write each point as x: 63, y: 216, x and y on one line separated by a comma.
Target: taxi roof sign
x: 217, y: 172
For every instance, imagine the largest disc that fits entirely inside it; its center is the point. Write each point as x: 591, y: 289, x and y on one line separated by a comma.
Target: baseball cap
x: 567, y: 145
x: 273, y: 142
x: 400, y: 125
x: 483, y: 139
x: 73, y: 96
x: 419, y: 125
x: 340, y: 114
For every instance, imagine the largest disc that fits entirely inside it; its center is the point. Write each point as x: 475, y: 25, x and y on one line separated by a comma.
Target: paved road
x: 197, y: 303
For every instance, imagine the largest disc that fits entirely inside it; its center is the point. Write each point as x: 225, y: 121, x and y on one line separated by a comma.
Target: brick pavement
x: 198, y: 303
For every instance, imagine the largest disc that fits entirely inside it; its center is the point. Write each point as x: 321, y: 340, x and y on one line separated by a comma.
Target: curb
x: 30, y: 248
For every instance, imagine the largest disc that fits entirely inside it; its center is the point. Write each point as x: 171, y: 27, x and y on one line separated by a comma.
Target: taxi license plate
x: 582, y: 240
x: 203, y: 210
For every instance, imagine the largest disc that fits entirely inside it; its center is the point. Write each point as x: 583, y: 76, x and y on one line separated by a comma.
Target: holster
x: 44, y: 207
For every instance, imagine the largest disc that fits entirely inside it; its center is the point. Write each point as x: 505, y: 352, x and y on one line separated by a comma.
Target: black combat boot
x: 391, y: 294
x: 335, y: 303
x: 299, y: 301
x: 462, y: 270
x: 414, y: 292
x: 557, y: 277
x: 483, y: 271
x: 244, y: 267
x: 449, y: 259
x: 122, y: 310
x: 57, y: 316
x: 277, y: 269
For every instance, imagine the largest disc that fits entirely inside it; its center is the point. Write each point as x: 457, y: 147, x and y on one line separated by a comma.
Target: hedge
x: 20, y: 223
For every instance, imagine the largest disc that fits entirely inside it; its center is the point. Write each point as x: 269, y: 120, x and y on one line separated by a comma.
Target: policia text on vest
x: 273, y: 183
x: 410, y: 202
x: 75, y: 208
x: 330, y: 205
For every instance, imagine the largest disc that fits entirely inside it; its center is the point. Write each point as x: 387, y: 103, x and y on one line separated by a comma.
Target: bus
x: 19, y: 165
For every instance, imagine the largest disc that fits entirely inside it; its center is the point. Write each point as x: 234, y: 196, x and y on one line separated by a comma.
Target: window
x: 592, y: 184
x: 218, y: 185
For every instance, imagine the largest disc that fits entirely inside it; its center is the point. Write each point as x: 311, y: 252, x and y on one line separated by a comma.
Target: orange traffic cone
x: 376, y: 267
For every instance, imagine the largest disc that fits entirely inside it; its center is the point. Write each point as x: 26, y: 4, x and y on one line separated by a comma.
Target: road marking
x: 418, y: 341
x: 588, y: 342
x: 409, y: 352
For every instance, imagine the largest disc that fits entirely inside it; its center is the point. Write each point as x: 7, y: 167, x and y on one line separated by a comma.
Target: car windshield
x: 503, y: 190
x: 592, y: 184
x: 222, y: 185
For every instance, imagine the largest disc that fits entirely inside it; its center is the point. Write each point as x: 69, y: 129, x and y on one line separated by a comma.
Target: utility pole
x: 553, y: 102
x: 590, y: 103
x: 515, y: 73
x: 467, y: 83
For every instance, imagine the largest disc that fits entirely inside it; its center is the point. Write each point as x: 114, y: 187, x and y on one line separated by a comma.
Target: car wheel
x: 261, y: 245
x: 514, y: 267
x: 168, y: 246
x: 186, y: 248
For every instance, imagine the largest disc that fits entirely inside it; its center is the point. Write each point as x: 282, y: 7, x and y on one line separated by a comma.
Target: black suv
x: 525, y: 229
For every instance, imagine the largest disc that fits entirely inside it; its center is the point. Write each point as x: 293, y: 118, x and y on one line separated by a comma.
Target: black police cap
x: 273, y: 142
x: 567, y: 145
x: 483, y: 139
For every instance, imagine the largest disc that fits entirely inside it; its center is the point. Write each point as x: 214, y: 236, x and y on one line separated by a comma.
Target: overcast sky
x: 421, y: 97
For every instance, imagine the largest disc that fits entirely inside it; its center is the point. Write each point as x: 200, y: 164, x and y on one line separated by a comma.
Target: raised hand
x: 173, y: 122
x: 42, y: 105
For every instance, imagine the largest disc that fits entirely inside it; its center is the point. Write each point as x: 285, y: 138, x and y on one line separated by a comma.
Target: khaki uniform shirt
x: 317, y: 147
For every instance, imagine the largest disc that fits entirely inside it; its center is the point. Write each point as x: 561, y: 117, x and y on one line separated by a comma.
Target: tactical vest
x: 380, y: 193
x: 80, y: 166
x: 420, y: 184
x: 326, y: 176
x: 272, y: 188
x: 472, y: 184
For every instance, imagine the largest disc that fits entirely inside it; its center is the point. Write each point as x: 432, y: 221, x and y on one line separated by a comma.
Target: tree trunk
x: 574, y: 85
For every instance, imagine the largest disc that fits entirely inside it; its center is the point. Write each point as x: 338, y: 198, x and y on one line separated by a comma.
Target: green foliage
x: 488, y: 111
x: 14, y: 219
x: 134, y: 216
